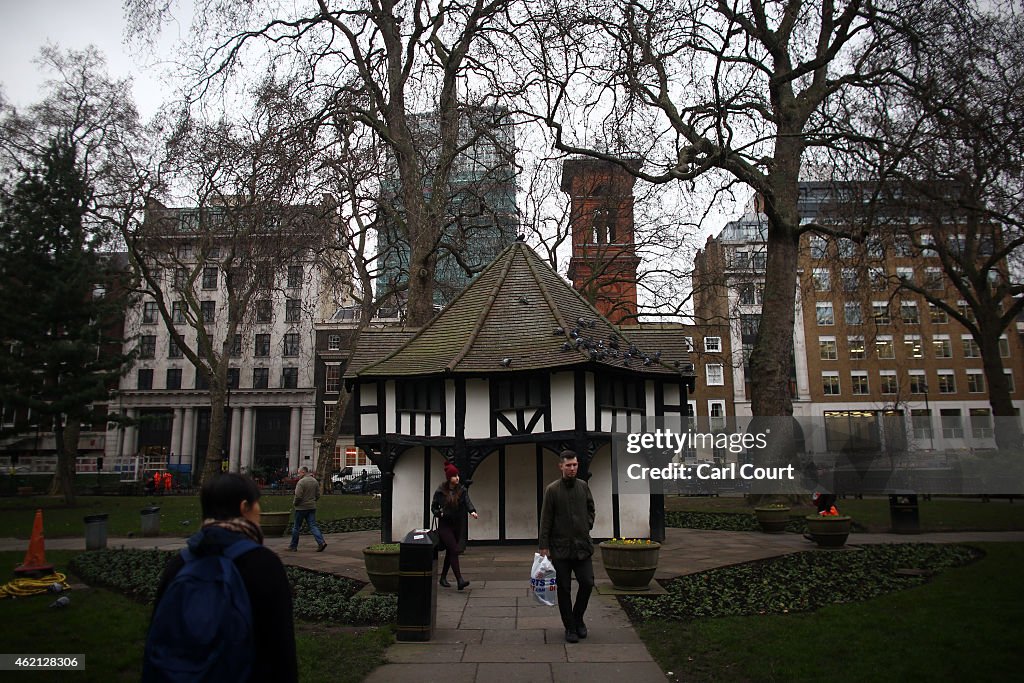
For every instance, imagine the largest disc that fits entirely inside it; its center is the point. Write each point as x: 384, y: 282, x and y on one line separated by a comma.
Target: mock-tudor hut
x: 517, y: 368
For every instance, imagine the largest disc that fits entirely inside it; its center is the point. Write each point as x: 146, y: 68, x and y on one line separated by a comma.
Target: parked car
x: 371, y: 483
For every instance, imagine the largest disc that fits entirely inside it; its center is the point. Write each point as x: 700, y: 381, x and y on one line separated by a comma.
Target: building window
x: 173, y: 378
x: 234, y: 376
x: 822, y: 280
x: 971, y: 348
x: 912, y: 346
x: 329, y: 410
x: 965, y: 310
x: 859, y: 383
x: 147, y: 346
x: 903, y: 247
x: 749, y: 324
x: 847, y: 247
x: 716, y: 416
x: 887, y: 380
x: 150, y: 313
x: 884, y: 348
x: 981, y: 423
x: 1009, y: 380
x: 260, y: 378
x: 877, y: 278
x: 208, y: 309
x: 1004, y: 347
x: 289, y: 378
x: 921, y: 423
x: 689, y: 343
x: 294, y: 277
x: 880, y: 312
x: 909, y: 314
x: 942, y: 346
x: 334, y: 342
x: 851, y: 281
x: 824, y: 313
x: 917, y: 383
x: 173, y: 350
x: 750, y: 294
x: 857, y: 348
x: 178, y: 312
x: 937, y: 314
x: 264, y: 311
x: 420, y: 396
x: 933, y: 278
x: 236, y: 346
x: 947, y: 382
x: 713, y: 344
x: 758, y: 260
x: 819, y: 248
x: 292, y: 310
x: 852, y: 313
x: 715, y: 374
x: 830, y: 384
x: 291, y: 345
x: 333, y: 381
x: 532, y: 393
x: 975, y: 382
x: 202, y: 381
x: 210, y: 277
x: 180, y: 279
x: 262, y: 345
x: 905, y: 275
x: 827, y: 349
x: 952, y: 425
x: 144, y: 378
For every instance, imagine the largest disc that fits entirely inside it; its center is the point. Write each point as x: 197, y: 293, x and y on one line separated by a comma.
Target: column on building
x: 294, y: 432
x: 246, y: 452
x: 188, y: 437
x: 129, y: 446
x: 176, y: 425
x: 234, y: 447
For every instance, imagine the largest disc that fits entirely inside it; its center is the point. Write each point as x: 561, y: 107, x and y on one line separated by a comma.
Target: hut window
x: 421, y: 396
x: 521, y: 393
x: 622, y: 393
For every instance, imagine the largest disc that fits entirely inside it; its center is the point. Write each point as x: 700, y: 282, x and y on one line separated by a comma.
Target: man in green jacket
x: 566, y: 518
x: 307, y: 492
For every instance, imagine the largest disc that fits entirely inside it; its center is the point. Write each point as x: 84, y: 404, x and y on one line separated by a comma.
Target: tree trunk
x: 211, y: 464
x: 1005, y: 419
x: 66, y: 441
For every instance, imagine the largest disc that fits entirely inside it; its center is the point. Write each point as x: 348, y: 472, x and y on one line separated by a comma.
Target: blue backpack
x: 202, y: 628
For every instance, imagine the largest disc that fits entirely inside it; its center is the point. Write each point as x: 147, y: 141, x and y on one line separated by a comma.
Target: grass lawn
x: 937, y: 514
x: 179, y: 514
x: 110, y: 630
x: 965, y: 624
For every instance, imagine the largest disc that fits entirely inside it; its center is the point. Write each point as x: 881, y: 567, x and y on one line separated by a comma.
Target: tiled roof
x: 517, y: 315
x: 374, y: 344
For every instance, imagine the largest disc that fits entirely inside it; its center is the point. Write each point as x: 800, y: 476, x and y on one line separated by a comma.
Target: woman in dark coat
x: 450, y: 505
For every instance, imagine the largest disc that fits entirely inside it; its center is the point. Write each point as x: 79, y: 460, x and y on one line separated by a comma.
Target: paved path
x: 493, y: 631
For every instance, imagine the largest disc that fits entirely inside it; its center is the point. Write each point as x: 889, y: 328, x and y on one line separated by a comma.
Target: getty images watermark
x: 850, y: 454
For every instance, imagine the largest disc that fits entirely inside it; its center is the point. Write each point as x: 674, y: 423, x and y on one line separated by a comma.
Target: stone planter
x: 274, y: 523
x: 630, y: 567
x: 382, y: 568
x: 772, y: 520
x: 828, y: 531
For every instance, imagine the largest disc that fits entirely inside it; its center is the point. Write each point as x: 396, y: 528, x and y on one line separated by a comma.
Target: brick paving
x: 494, y: 631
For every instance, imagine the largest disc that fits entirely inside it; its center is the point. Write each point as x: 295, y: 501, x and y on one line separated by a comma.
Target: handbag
x: 434, y: 537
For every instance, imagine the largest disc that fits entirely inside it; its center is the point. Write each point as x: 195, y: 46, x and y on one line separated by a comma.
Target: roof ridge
x: 423, y: 328
x: 484, y: 312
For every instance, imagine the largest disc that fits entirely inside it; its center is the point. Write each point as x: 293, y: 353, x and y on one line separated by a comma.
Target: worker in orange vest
x: 157, y: 482
x: 168, y: 481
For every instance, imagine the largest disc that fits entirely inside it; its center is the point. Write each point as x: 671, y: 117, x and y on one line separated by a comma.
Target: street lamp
x: 928, y: 410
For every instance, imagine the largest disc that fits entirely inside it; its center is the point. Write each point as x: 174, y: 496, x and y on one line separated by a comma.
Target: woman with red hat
x: 451, y: 502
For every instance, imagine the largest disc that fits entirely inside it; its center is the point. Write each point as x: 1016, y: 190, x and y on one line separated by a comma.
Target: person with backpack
x: 223, y: 610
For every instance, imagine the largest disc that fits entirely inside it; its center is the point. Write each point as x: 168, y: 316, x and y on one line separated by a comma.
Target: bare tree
x: 739, y: 90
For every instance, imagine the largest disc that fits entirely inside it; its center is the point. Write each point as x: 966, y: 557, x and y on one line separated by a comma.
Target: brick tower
x: 604, y: 262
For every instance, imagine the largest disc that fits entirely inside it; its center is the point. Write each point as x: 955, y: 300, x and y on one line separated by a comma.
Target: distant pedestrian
x: 450, y: 504
x: 158, y: 483
x: 223, y: 621
x: 566, y: 518
x: 168, y: 482
x: 307, y: 493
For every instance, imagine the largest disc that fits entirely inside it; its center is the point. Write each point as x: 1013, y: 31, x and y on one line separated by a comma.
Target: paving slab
x: 514, y: 654
x: 451, y: 672
x: 520, y: 673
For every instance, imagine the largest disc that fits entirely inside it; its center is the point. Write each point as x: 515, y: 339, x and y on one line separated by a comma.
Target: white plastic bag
x: 542, y: 580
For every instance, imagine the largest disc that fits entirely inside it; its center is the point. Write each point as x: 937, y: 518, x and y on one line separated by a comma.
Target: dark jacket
x: 270, y: 596
x: 444, y: 513
x: 566, y: 518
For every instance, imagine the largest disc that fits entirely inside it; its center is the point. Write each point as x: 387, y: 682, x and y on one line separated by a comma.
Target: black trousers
x: 450, y: 533
x: 572, y: 615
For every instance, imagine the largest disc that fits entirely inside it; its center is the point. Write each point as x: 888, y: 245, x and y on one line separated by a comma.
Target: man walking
x: 566, y: 518
x: 307, y: 492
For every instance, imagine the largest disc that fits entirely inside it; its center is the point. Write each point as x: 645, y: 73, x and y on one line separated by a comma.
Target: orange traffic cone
x: 35, y: 559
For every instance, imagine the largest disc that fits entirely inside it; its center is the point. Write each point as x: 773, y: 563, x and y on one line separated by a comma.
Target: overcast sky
x: 27, y: 25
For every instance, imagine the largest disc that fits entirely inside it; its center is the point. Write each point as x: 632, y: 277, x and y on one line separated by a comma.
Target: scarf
x: 238, y: 525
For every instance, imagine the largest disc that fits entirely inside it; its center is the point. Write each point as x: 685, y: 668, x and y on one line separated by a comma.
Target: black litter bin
x: 417, y: 586
x: 903, y: 512
x: 95, y: 531
x: 151, y: 521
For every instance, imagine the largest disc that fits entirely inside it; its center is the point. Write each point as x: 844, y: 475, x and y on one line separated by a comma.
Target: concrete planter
x: 382, y: 568
x: 274, y: 523
x: 828, y: 531
x: 772, y: 519
x: 630, y: 567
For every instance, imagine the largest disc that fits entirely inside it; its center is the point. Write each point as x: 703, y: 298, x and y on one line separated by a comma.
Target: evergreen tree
x: 58, y: 357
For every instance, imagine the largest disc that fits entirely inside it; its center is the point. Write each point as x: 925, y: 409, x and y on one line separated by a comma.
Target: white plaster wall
x: 649, y: 401
x: 590, y: 402
x: 601, y: 489
x: 520, y: 491
x: 478, y: 405
x: 563, y: 402
x: 368, y: 424
x: 388, y: 407
x: 407, y: 510
x: 671, y: 394
x: 484, y: 493
x: 449, y: 403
